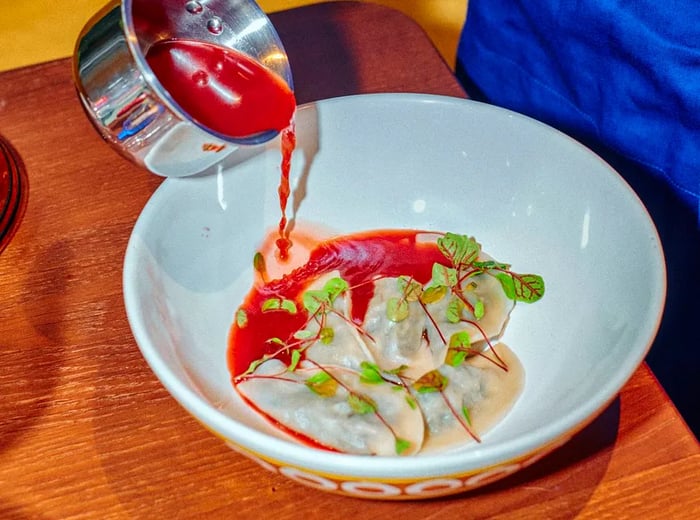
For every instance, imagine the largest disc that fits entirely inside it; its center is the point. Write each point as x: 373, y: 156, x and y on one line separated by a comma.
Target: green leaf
x: 507, y: 284
x: 528, y: 287
x: 460, y: 340
x: 397, y: 309
x: 410, y: 289
x: 370, y: 373
x: 294, y: 362
x: 271, y: 304
x: 322, y: 300
x: 276, y: 341
x: 467, y: 415
x: 241, y: 318
x: 490, y: 264
x: 321, y: 383
x: 334, y: 288
x: 396, y: 371
x: 303, y: 334
x: 255, y: 364
x: 429, y: 382
x: 458, y: 349
x: 326, y: 335
x: 455, y: 357
x: 402, y: 445
x: 361, y: 404
x: 461, y: 250
x: 259, y: 263
x: 453, y: 313
x: 433, y: 294
x: 314, y: 301
x: 443, y: 275
x: 289, y: 306
x: 479, y: 309
x: 279, y: 304
x: 411, y: 401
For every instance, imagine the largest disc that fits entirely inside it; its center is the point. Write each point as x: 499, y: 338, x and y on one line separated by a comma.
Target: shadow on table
x: 597, y: 437
x: 31, y: 370
x: 578, y: 460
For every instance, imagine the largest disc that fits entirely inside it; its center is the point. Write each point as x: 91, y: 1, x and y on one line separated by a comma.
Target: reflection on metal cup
x: 129, y: 106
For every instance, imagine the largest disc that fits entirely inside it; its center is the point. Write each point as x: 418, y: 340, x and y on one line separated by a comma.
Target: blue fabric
x: 624, y: 74
x: 623, y: 77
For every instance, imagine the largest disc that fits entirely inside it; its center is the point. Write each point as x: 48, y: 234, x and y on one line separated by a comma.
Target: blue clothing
x: 623, y: 77
x: 622, y: 74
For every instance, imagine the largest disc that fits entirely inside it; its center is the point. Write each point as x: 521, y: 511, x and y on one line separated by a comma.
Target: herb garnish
x: 454, y: 281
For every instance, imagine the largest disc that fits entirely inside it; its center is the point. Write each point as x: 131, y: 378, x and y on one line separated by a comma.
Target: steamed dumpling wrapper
x: 346, y: 349
x: 337, y: 420
x: 399, y: 344
x: 414, y: 342
x: 478, y: 388
x: 497, y: 308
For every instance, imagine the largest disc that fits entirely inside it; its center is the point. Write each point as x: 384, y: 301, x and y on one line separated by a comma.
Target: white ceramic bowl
x: 532, y: 196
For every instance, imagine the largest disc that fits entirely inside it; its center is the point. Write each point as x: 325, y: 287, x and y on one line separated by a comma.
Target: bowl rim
x: 423, y: 465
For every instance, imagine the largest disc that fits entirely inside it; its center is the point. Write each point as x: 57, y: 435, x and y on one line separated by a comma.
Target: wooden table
x: 86, y: 430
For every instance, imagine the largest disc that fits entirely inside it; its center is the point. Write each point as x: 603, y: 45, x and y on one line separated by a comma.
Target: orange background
x: 33, y: 31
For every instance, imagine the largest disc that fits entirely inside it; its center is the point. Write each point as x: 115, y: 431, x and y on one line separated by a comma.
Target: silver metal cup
x: 128, y: 105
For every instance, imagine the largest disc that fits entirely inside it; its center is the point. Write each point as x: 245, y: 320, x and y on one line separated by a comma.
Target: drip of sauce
x: 288, y: 144
x: 232, y: 94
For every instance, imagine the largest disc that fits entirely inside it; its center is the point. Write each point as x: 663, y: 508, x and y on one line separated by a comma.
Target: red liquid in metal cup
x: 222, y: 89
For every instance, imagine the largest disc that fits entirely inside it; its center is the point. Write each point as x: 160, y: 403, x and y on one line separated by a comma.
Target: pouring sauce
x: 232, y: 94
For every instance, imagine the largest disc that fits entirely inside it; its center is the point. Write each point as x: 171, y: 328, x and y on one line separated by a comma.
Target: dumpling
x: 476, y: 396
x: 497, y: 308
x: 347, y: 414
x: 346, y: 348
x: 396, y: 344
x: 444, y: 412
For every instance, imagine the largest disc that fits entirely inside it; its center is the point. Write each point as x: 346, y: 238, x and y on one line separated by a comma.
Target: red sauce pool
x: 358, y: 258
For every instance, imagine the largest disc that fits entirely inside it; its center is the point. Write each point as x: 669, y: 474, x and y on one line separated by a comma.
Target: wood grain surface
x: 86, y: 430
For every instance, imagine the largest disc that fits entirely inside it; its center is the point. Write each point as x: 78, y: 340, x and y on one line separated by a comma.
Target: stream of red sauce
x: 233, y: 95
x: 358, y: 258
x: 289, y: 141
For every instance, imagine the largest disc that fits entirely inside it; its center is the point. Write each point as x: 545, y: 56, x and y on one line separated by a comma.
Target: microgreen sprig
x: 324, y: 384
x: 436, y: 382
